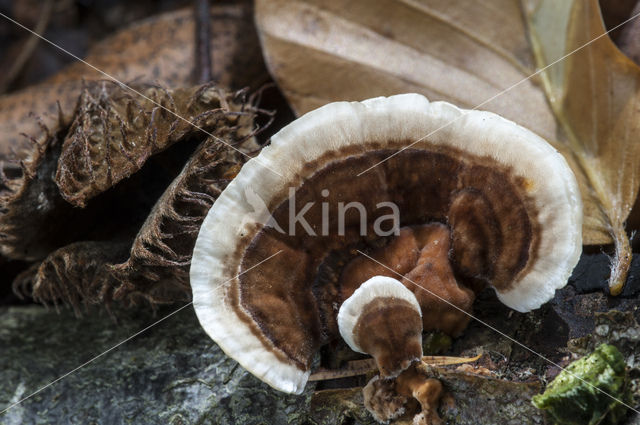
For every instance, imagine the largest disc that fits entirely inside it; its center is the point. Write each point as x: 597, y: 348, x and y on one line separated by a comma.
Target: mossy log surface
x: 173, y: 373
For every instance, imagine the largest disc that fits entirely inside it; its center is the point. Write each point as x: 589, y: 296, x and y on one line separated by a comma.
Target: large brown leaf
x: 322, y: 51
x: 595, y: 94
x: 477, y: 55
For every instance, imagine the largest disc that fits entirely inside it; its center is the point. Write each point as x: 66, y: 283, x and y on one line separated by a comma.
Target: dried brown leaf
x: 322, y: 51
x: 595, y: 94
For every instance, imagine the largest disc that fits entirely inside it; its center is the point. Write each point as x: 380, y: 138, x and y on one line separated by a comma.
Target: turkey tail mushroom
x: 353, y: 176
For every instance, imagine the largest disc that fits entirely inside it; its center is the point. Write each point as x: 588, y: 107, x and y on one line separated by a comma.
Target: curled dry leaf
x: 478, y: 56
x: 153, y: 264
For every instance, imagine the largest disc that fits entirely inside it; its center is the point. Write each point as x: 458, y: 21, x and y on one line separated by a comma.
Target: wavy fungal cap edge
x: 339, y: 125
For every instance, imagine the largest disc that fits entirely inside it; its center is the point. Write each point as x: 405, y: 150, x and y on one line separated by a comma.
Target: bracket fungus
x: 383, y: 318
x: 444, y: 200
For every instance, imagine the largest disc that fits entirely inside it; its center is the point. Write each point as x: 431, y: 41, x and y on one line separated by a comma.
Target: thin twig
x: 29, y: 47
x: 362, y: 367
x: 203, y: 41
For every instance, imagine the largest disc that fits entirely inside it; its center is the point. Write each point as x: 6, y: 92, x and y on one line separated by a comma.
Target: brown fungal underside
x: 485, y: 207
x: 421, y: 255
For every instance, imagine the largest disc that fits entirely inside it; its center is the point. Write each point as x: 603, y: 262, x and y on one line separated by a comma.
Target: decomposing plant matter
x: 154, y: 51
x: 115, y: 131
x: 37, y: 213
x: 133, y: 235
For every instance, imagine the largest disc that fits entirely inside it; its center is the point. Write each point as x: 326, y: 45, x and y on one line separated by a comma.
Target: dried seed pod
x: 115, y: 131
x: 112, y: 137
x: 35, y: 119
x: 29, y: 199
x: 76, y: 274
x: 111, y: 262
x: 161, y: 253
x: 156, y: 267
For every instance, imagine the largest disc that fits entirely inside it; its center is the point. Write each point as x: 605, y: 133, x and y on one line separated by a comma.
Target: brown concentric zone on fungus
x: 434, y: 184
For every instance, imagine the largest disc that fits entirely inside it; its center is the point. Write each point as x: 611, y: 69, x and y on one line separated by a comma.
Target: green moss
x: 581, y: 394
x: 436, y: 342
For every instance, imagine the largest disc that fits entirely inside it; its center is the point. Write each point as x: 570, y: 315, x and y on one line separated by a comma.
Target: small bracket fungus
x: 427, y: 391
x: 383, y: 318
x: 382, y: 400
x: 445, y: 201
x: 421, y: 255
